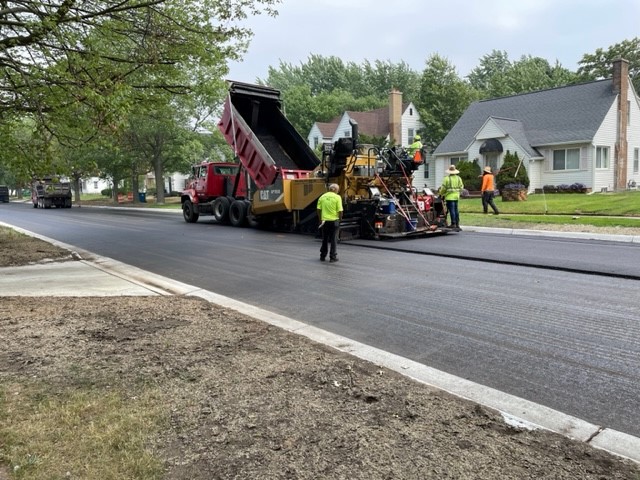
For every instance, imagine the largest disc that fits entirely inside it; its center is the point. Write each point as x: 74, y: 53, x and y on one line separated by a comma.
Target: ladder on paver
x: 405, y: 209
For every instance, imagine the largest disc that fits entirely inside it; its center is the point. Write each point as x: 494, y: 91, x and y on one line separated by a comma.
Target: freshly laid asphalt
x: 93, y: 275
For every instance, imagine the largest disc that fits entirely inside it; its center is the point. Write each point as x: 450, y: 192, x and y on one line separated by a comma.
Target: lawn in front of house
x: 597, y: 210
x: 608, y: 204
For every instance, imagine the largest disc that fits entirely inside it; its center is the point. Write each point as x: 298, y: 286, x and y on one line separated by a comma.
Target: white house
x: 400, y: 121
x: 587, y: 133
x: 94, y: 185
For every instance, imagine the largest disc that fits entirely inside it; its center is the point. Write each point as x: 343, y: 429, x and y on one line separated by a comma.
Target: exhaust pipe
x: 354, y: 133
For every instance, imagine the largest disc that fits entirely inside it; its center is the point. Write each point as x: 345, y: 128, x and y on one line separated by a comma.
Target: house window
x: 455, y: 160
x: 347, y: 134
x: 315, y: 142
x: 568, y: 159
x: 636, y: 160
x: 426, y: 170
x: 410, y: 134
x: 95, y: 185
x: 602, y: 157
x: 411, y: 112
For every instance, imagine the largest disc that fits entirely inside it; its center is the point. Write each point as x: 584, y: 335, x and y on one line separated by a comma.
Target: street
x: 566, y: 340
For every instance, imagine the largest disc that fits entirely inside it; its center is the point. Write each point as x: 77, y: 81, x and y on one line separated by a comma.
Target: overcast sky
x: 463, y: 31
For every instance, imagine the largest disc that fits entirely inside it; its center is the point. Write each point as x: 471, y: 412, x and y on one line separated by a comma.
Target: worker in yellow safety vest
x: 450, y: 189
x: 415, y: 149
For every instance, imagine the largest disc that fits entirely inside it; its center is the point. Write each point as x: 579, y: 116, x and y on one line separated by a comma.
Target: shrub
x: 470, y: 174
x: 512, y: 172
x: 514, y: 186
x: 107, y: 192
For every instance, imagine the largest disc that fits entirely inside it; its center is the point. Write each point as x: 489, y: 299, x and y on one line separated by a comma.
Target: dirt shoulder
x: 237, y: 398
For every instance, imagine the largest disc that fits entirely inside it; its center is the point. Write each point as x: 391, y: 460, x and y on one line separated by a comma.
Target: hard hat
x: 416, y: 137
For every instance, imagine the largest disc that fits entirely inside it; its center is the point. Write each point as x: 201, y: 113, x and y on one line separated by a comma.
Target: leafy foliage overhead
x: 497, y: 76
x: 100, y: 52
x: 600, y: 63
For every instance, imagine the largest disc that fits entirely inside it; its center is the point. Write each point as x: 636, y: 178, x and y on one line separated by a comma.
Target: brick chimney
x: 621, y: 88
x: 395, y: 116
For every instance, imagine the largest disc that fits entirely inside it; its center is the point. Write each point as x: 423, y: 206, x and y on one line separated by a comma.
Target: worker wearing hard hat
x: 415, y: 149
x: 329, y: 211
x: 450, y: 190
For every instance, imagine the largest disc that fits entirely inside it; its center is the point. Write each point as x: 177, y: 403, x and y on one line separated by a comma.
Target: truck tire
x: 221, y: 209
x: 238, y: 213
x: 189, y: 212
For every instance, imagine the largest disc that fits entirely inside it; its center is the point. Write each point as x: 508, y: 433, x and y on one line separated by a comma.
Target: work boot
x: 322, y: 258
x: 457, y: 227
x: 333, y: 260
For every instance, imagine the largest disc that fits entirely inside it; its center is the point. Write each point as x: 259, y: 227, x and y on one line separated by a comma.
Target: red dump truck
x: 278, y: 179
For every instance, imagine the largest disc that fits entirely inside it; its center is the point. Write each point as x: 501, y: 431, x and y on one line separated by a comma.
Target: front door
x: 491, y: 160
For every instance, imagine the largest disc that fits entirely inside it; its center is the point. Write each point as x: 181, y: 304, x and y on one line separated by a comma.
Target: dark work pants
x: 330, y: 238
x: 487, y: 200
x: 452, y: 206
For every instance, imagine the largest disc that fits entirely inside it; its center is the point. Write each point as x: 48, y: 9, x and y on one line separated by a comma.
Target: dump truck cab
x: 209, y: 182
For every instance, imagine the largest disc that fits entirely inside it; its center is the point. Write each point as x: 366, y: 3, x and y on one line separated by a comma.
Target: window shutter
x: 583, y: 158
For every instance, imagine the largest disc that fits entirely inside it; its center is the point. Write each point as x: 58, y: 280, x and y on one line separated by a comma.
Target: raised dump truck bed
x: 264, y: 140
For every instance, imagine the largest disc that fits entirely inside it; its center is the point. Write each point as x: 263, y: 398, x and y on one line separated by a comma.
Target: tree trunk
x: 135, y: 187
x: 158, y: 172
x: 76, y: 188
x: 114, y: 189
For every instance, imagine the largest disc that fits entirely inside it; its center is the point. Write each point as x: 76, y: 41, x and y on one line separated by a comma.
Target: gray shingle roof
x: 560, y: 115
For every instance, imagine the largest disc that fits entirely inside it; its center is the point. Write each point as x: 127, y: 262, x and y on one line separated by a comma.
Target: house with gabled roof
x: 587, y: 133
x: 399, y: 121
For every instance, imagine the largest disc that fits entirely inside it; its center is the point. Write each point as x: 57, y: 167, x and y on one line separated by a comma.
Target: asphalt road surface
x: 567, y: 340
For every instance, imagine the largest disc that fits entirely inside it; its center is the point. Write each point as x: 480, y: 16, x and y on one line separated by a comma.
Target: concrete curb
x: 548, y: 233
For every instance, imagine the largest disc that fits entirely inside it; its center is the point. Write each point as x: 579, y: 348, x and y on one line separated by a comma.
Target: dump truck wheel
x: 221, y: 209
x: 189, y: 212
x: 238, y: 213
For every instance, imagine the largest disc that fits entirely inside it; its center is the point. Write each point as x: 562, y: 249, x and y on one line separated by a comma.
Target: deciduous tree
x: 600, y: 63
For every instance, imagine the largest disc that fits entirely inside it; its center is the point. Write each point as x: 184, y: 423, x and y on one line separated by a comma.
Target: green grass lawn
x: 599, y: 210
x: 611, y: 204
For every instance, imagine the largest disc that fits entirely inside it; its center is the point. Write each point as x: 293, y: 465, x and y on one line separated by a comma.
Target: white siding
x: 567, y: 177
x: 410, y: 119
x: 633, y: 135
x: 489, y: 130
x: 176, y: 182
x: 604, y: 137
x: 342, y: 128
x: 419, y: 181
x: 535, y: 174
x: 94, y: 185
x: 313, y: 134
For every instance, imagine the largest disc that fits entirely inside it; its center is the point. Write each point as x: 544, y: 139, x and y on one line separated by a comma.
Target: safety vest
x: 451, y: 187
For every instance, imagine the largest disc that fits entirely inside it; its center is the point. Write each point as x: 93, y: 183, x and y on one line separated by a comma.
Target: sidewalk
x: 91, y: 275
